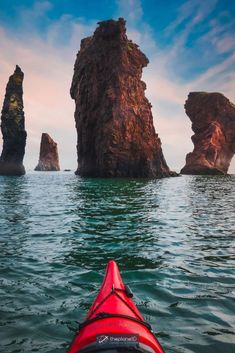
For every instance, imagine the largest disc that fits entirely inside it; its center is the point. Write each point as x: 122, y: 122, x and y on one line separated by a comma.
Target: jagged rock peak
x: 13, y: 126
x: 111, y: 29
x: 48, y: 157
x: 213, y: 124
x: 18, y: 71
x: 116, y: 136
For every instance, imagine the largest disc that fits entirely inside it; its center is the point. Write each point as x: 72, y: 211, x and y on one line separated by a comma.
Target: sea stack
x: 48, y: 157
x: 13, y: 127
x: 213, y: 124
x: 116, y: 135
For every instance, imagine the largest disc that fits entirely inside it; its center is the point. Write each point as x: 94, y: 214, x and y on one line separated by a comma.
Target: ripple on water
x: 173, y: 239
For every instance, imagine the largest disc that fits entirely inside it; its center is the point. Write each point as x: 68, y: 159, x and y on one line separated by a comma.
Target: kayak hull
x: 113, y: 321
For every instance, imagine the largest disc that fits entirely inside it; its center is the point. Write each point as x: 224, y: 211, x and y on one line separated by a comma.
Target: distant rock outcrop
x: 48, y: 158
x: 213, y: 122
x: 116, y: 136
x: 13, y: 127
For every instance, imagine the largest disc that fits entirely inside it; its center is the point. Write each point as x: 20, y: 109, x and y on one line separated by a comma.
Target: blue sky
x: 190, y: 45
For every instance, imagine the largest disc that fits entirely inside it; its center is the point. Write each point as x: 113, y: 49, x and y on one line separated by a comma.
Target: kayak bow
x: 113, y: 323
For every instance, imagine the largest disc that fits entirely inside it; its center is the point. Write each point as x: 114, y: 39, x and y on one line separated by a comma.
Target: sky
x: 190, y: 45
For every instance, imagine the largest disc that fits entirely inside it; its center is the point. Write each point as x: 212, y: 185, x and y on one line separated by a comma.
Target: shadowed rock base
x: 7, y: 168
x: 197, y: 169
x: 13, y: 127
x: 116, y: 136
x: 213, y: 122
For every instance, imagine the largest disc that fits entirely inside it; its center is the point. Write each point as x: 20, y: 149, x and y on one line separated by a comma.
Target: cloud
x: 38, y: 10
x: 214, y: 76
x: 225, y: 44
x: 221, y: 35
x: 131, y: 10
x: 191, y: 12
x: 199, y: 30
x: 48, y: 68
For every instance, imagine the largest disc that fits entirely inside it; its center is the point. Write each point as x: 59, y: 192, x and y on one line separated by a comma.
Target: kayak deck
x: 114, y: 322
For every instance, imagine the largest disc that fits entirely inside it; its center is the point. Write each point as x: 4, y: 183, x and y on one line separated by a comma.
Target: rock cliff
x: 48, y: 157
x: 116, y: 136
x: 213, y: 124
x: 13, y: 127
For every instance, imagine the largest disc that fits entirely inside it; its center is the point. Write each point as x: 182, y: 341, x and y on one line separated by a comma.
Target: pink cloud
x: 48, y: 73
x: 225, y: 44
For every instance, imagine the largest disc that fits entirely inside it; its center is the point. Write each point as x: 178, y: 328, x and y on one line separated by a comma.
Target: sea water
x: 173, y: 238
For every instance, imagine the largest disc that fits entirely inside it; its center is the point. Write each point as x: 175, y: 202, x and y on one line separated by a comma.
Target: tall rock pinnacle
x: 213, y: 124
x: 48, y: 157
x: 13, y: 127
x: 116, y: 136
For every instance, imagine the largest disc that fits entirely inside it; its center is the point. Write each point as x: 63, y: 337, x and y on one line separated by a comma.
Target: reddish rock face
x: 48, y: 158
x: 13, y: 127
x: 213, y: 122
x: 116, y: 136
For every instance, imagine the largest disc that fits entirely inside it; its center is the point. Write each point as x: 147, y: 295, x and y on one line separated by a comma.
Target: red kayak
x: 113, y: 323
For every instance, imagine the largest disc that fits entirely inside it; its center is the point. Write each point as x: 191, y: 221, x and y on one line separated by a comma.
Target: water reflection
x: 212, y: 221
x: 13, y: 212
x: 111, y: 223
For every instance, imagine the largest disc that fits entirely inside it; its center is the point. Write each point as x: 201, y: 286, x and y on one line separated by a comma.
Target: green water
x: 174, y: 240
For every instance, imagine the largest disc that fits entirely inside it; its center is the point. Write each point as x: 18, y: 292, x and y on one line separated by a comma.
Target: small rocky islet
x: 48, y: 156
x: 115, y: 132
x: 13, y: 127
x: 213, y: 124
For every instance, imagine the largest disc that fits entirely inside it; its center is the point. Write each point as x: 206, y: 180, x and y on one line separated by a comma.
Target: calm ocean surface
x: 174, y: 240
